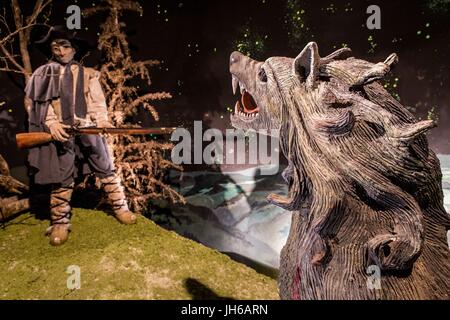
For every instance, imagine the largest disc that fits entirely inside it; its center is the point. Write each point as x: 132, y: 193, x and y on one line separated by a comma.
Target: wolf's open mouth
x: 246, y: 106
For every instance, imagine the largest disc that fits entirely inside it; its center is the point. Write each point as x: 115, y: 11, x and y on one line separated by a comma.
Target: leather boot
x: 116, y: 197
x: 59, y: 234
x: 60, y: 215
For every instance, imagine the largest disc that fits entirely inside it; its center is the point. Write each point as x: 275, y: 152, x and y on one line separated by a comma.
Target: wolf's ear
x: 306, y: 64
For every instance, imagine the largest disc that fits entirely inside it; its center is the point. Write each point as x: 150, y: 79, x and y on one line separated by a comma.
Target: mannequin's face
x: 62, y: 51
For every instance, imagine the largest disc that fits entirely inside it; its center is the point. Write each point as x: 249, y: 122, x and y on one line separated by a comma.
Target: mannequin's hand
x: 57, y: 131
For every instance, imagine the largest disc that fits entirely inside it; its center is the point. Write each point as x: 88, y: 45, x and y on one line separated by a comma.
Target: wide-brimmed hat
x: 82, y: 46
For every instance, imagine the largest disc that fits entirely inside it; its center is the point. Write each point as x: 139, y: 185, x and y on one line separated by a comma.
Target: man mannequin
x: 64, y: 93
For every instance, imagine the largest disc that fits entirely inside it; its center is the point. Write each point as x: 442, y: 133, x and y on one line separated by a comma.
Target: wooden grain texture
x: 13, y: 193
x: 4, y: 168
x: 364, y: 187
x: 10, y: 207
x: 376, y: 199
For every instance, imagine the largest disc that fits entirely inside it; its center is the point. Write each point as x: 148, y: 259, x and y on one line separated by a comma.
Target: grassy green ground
x: 141, y: 261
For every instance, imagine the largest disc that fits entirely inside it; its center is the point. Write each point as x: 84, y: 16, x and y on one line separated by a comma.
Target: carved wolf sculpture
x: 364, y: 187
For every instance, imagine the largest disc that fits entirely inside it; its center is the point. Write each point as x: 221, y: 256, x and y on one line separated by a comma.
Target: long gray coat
x: 46, y: 167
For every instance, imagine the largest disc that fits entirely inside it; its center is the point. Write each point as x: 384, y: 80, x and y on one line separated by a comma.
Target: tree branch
x: 15, y: 32
x: 151, y: 96
x: 18, y: 21
x: 23, y: 42
x: 11, y: 59
x: 12, y: 70
x: 38, y: 8
x: 33, y: 17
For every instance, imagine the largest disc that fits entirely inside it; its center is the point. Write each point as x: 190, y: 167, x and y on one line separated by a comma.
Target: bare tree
x: 15, y: 32
x: 14, y: 55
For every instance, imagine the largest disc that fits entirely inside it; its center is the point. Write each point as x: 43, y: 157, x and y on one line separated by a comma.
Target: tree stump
x: 13, y: 194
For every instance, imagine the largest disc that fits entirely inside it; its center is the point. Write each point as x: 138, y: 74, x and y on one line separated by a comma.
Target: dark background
x: 194, y: 39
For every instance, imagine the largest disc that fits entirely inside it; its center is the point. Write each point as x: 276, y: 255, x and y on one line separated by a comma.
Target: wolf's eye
x: 262, y: 75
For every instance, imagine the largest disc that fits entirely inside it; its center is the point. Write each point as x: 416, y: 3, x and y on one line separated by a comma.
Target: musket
x: 34, y: 139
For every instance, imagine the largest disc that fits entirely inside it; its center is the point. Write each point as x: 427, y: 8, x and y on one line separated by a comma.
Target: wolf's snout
x: 235, y: 57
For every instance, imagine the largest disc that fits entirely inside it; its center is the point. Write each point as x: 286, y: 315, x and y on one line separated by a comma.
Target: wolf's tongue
x: 248, y: 103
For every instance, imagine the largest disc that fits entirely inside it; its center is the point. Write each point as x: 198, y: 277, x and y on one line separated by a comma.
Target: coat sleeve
x: 96, y: 102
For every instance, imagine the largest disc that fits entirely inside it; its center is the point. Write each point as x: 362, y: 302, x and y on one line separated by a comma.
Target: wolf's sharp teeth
x: 242, y: 87
x: 234, y: 84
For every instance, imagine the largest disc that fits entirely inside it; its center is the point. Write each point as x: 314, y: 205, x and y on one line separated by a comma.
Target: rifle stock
x: 32, y: 139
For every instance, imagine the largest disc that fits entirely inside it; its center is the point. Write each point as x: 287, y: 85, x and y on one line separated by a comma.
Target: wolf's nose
x: 235, y: 57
